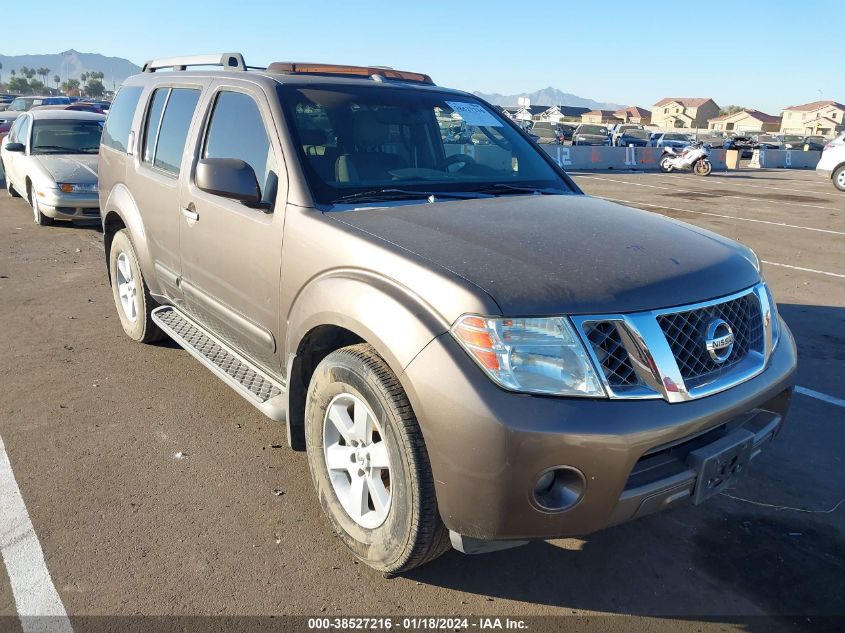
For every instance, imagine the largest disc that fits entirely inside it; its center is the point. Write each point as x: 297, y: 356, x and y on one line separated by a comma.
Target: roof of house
x: 634, y: 111
x: 816, y: 105
x: 603, y: 113
x: 535, y: 109
x: 687, y: 102
x: 755, y: 114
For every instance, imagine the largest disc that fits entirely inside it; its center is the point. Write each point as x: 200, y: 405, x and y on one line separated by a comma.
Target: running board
x: 267, y: 394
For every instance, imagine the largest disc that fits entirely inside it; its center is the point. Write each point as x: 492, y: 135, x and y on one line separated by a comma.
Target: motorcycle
x: 693, y: 158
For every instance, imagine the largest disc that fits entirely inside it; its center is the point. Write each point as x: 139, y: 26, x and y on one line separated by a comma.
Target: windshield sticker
x: 474, y: 114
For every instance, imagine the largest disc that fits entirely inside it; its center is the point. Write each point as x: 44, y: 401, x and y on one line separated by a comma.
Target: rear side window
x: 237, y: 131
x: 152, y: 123
x: 119, y: 122
x: 173, y: 131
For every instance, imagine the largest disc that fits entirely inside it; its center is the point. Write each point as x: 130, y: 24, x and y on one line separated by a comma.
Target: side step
x: 254, y: 384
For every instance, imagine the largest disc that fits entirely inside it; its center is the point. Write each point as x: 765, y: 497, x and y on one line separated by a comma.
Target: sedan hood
x: 572, y: 254
x: 75, y: 168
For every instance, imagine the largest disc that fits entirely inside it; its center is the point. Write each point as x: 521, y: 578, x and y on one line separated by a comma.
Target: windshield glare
x: 22, y: 105
x: 637, y: 133
x: 65, y: 136
x: 356, y: 139
x: 593, y: 129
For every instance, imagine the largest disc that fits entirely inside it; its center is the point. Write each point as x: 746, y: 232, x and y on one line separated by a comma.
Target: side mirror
x: 229, y: 178
x: 15, y: 147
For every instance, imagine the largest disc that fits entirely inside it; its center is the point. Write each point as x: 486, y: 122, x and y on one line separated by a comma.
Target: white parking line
x: 38, y: 604
x: 839, y: 402
x: 717, y: 181
x: 731, y: 217
x: 710, y: 193
x: 806, y: 270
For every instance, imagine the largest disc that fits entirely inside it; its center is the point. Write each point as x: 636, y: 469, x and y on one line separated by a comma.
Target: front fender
x: 121, y: 202
x: 392, y: 318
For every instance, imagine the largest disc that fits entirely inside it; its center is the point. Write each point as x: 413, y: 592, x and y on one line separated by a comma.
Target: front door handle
x: 190, y: 213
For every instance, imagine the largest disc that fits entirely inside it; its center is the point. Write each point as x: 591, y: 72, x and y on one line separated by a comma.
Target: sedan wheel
x: 839, y: 178
x: 40, y: 218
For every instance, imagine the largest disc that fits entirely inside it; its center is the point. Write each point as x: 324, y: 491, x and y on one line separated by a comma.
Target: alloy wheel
x: 126, y: 287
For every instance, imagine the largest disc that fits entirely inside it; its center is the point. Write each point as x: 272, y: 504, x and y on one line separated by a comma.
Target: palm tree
x: 1, y: 73
x: 57, y: 79
x: 43, y: 72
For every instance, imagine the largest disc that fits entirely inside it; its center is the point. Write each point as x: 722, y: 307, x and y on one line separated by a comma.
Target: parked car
x: 4, y: 129
x: 23, y: 104
x: 453, y: 374
x: 546, y: 132
x: 618, y: 129
x: 49, y: 157
x: 586, y: 134
x: 832, y: 162
x: 675, y: 140
x: 815, y: 143
x: 791, y: 141
x: 745, y: 143
x: 768, y: 141
x: 84, y: 106
x: 635, y: 137
x: 566, y: 130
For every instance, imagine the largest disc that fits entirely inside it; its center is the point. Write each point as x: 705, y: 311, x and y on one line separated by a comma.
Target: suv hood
x: 568, y: 254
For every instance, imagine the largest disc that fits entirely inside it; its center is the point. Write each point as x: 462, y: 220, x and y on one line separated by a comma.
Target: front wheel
x: 369, y: 463
x: 131, y: 294
x: 40, y: 218
x: 666, y: 164
x: 703, y: 167
x: 839, y: 178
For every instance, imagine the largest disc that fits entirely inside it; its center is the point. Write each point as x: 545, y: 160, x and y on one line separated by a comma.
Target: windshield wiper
x: 56, y: 148
x: 502, y: 186
x: 378, y: 195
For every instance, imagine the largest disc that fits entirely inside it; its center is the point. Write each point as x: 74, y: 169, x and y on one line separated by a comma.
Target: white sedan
x: 50, y: 158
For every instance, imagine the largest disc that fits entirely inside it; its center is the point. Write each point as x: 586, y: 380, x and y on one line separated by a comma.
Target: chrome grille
x: 686, y: 331
x: 611, y: 354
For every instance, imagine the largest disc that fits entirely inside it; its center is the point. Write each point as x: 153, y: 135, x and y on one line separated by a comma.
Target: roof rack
x: 229, y: 61
x: 376, y: 73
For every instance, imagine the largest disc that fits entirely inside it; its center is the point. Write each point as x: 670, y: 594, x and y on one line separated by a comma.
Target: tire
x: 665, y: 165
x: 410, y: 532
x: 703, y: 167
x: 40, y: 218
x: 128, y: 283
x: 10, y: 190
x: 839, y: 178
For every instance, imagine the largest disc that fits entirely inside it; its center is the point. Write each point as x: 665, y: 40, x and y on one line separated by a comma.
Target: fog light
x: 559, y: 488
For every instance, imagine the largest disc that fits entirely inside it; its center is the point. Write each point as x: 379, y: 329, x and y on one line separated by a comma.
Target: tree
x: 43, y: 72
x: 95, y: 88
x: 731, y: 109
x: 36, y: 86
x: 56, y: 80
x: 71, y: 87
x: 18, y: 85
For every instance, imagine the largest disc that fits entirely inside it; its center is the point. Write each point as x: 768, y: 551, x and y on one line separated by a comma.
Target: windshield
x: 636, y: 133
x: 66, y: 136
x: 675, y: 137
x: 792, y: 139
x: 22, y: 105
x: 357, y: 140
x: 593, y: 129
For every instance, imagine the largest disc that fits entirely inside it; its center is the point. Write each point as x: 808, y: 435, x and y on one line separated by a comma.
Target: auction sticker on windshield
x: 474, y: 114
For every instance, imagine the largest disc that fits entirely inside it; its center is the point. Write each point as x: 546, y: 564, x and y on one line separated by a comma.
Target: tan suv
x: 471, y: 351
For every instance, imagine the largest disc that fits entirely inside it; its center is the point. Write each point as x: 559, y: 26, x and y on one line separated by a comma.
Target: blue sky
x: 753, y: 54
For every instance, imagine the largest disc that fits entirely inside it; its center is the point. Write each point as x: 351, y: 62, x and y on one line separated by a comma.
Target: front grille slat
x: 611, y: 354
x: 686, y: 332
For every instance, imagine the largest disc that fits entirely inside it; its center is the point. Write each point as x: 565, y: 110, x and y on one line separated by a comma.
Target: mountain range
x: 548, y: 97
x: 71, y: 64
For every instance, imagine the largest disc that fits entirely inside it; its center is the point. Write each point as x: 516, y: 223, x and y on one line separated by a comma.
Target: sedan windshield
x: 675, y: 137
x: 22, y: 105
x: 66, y: 136
x: 636, y: 134
x: 593, y: 129
x: 360, y: 143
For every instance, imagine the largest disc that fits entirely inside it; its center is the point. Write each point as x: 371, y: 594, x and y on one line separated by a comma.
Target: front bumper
x: 68, y: 206
x: 487, y: 446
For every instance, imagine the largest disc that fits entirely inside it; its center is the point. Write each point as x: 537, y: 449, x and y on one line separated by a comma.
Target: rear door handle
x: 190, y: 214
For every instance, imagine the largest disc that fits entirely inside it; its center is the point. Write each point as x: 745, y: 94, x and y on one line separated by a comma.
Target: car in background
x: 5, y: 100
x: 769, y: 141
x: 587, y: 134
x: 50, y: 158
x: 832, y: 162
x: 815, y: 143
x: 24, y: 104
x: 566, y: 130
x: 791, y: 141
x: 675, y: 140
x: 635, y: 137
x: 546, y: 132
x: 87, y: 106
x: 617, y: 130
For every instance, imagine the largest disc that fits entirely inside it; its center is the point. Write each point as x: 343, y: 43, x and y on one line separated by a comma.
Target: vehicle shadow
x: 729, y: 558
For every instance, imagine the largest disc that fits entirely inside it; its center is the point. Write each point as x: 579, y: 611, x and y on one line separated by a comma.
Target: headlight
x: 530, y: 355
x: 68, y: 187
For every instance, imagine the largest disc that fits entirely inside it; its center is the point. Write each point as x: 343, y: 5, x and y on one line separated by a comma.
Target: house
x: 599, y: 117
x: 745, y: 120
x: 558, y: 113
x: 634, y: 114
x: 529, y: 113
x: 684, y: 112
x: 825, y: 118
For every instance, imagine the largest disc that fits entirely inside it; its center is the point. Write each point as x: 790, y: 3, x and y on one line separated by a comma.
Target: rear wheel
x: 40, y: 218
x: 369, y: 463
x: 131, y: 294
x: 839, y: 178
x: 666, y: 164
